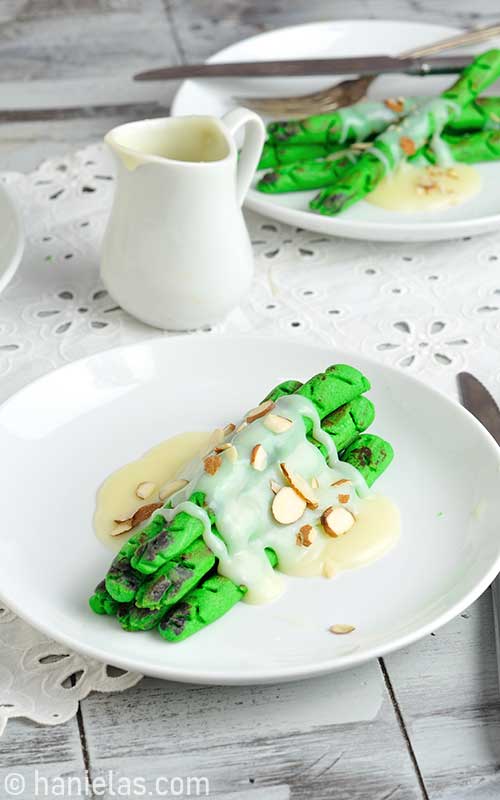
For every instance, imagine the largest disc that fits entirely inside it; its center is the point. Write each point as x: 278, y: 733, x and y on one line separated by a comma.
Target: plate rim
x: 336, y: 226
x: 271, y: 675
x: 15, y: 260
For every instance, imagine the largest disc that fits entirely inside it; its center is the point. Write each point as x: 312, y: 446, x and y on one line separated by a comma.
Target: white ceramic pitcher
x: 176, y: 253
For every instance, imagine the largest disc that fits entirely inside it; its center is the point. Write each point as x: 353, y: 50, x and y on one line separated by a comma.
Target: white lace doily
x: 431, y: 309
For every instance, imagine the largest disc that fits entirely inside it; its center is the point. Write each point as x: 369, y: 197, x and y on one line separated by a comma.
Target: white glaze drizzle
x: 240, y: 497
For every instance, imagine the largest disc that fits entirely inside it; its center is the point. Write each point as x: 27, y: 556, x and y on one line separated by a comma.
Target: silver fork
x: 351, y: 91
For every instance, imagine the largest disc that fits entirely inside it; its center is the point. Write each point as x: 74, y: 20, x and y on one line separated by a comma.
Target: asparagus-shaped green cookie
x: 405, y: 139
x: 483, y: 114
x: 339, y: 384
x: 351, y: 124
x: 371, y: 456
x: 176, y: 578
x: 475, y: 147
x: 472, y: 149
x: 347, y: 422
x: 101, y: 601
x: 300, y: 140
x: 200, y: 607
x: 172, y: 598
x: 122, y: 581
x: 173, y: 540
x: 274, y: 154
x: 306, y: 175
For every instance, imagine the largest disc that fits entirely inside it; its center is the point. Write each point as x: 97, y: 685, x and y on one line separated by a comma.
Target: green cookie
x: 200, y: 607
x: 122, y: 581
x: 371, y: 456
x: 347, y: 422
x: 101, y: 601
x: 170, y: 542
x: 176, y: 578
x: 331, y: 389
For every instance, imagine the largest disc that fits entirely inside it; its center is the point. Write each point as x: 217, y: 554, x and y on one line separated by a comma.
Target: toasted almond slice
x: 275, y: 487
x: 315, y: 483
x: 121, y: 527
x: 231, y: 454
x: 336, y: 520
x: 306, y: 536
x: 341, y: 482
x: 341, y: 629
x: 171, y: 487
x: 260, y: 411
x: 221, y: 447
x: 212, y: 463
x: 344, y: 498
x: 258, y: 458
x: 300, y: 485
x: 277, y: 424
x: 145, y: 489
x: 229, y: 429
x: 287, y: 506
x: 143, y: 512
x: 241, y: 426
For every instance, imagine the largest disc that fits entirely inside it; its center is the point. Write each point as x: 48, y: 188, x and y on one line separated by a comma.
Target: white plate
x: 346, y: 38
x: 62, y: 435
x: 11, y: 239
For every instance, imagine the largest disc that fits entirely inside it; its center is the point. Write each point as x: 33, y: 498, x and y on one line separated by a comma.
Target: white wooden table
x: 422, y: 723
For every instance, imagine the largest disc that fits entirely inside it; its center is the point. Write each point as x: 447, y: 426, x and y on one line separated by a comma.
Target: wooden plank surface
x: 334, y: 737
x: 427, y: 725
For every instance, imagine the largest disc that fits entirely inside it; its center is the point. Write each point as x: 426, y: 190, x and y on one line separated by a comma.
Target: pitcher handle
x: 255, y: 135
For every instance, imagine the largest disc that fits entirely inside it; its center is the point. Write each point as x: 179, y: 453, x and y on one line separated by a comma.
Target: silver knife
x: 477, y: 399
x: 367, y: 65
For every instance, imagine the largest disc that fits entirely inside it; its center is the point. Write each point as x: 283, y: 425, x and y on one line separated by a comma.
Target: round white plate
x: 62, y: 435
x: 346, y: 38
x: 11, y: 239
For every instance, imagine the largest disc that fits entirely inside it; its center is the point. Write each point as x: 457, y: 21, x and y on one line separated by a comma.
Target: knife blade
x: 366, y: 65
x: 477, y: 399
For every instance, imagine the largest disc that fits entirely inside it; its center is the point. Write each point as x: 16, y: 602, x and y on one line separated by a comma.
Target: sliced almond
x: 300, y: 485
x: 344, y: 498
x: 260, y: 411
x: 231, y: 454
x: 341, y: 482
x: 407, y: 145
x: 229, y: 429
x: 121, y: 527
x: 315, y: 483
x: 171, y: 487
x: 277, y: 424
x: 258, y: 458
x: 241, y: 426
x: 221, y: 447
x: 144, y: 512
x: 145, y: 489
x: 275, y: 487
x: 212, y: 463
x: 306, y: 536
x: 341, y: 629
x: 396, y: 104
x: 336, y: 521
x: 287, y: 506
